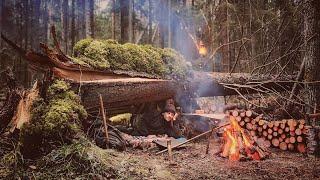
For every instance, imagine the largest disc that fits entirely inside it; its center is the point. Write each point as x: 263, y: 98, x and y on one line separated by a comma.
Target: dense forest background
x: 259, y: 37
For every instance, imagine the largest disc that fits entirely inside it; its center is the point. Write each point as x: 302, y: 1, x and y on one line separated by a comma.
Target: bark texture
x: 312, y: 51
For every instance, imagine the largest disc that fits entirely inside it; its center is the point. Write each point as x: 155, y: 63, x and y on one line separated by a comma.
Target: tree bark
x: 131, y: 21
x: 82, y: 19
x: 124, y: 21
x: 89, y: 15
x: 73, y: 24
x: 288, y: 34
x: 113, y: 19
x: 36, y: 24
x: 162, y: 13
x: 2, y: 2
x: 50, y: 21
x: 65, y: 24
x: 45, y: 17
x: 312, y: 51
x: 169, y: 25
x: 150, y: 16
x: 12, y: 99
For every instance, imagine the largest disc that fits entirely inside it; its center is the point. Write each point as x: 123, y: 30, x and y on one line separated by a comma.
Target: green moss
x: 80, y: 61
x: 81, y: 45
x: 58, y: 87
x: 137, y: 58
x: 53, y: 123
x: 155, y: 60
x: 110, y: 55
x: 176, y: 65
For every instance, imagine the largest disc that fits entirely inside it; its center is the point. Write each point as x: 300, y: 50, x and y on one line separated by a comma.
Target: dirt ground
x: 191, y: 162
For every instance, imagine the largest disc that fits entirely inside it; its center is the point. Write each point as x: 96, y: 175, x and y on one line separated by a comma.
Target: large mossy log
x: 124, y: 88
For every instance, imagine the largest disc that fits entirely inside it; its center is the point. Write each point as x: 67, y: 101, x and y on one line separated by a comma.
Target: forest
x: 159, y: 89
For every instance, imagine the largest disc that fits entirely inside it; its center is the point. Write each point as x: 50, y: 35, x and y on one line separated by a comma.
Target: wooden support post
x: 104, y: 119
x: 169, y: 150
x: 208, y: 140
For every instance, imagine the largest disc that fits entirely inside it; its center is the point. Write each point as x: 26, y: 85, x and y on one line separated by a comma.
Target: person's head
x: 169, y: 112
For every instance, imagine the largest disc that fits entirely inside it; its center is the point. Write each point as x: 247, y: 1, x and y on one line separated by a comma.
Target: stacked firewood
x: 286, y: 134
x: 313, y: 139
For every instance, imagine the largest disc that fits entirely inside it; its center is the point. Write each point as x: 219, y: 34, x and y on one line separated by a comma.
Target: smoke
x: 185, y: 36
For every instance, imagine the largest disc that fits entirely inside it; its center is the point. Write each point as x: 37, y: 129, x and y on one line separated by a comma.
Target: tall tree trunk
x: 312, y: 51
x: 73, y: 24
x: 124, y: 21
x: 50, y: 21
x: 82, y: 19
x: 150, y: 16
x: 1, y: 20
x: 89, y: 15
x: 113, y: 19
x: 65, y: 24
x: 228, y: 36
x: 288, y: 31
x: 26, y: 36
x: 169, y: 25
x: 162, y: 14
x: 36, y: 24
x: 45, y: 16
x: 130, y: 28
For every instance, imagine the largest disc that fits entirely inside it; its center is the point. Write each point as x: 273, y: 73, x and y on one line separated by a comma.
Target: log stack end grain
x: 287, y: 135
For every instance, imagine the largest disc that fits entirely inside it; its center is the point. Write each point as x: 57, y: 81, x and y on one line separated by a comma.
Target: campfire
x: 238, y: 145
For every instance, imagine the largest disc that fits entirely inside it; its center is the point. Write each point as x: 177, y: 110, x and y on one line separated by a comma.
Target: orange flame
x: 237, y: 127
x: 234, y: 154
x: 236, y: 139
x: 202, y: 49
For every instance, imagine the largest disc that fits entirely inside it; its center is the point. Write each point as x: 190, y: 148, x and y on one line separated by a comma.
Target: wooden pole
x: 104, y: 120
x: 169, y: 148
x: 196, y: 137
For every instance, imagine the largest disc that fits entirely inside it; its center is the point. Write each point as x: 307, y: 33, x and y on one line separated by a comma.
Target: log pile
x: 288, y: 134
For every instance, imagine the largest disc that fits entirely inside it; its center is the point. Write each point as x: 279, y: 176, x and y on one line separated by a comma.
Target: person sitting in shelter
x: 157, y: 123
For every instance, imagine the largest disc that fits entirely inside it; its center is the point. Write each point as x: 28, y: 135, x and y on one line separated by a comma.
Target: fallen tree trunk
x: 122, y: 88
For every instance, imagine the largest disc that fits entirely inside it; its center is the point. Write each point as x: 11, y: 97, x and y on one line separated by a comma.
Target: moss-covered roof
x: 110, y: 55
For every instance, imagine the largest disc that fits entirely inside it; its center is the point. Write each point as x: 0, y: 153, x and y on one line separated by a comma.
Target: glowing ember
x: 238, y: 143
x: 202, y: 49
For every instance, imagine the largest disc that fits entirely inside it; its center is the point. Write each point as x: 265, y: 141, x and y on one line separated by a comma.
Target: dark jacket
x: 154, y: 124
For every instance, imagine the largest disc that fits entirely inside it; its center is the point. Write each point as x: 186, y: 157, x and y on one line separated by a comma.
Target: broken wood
x: 12, y: 100
x: 23, y: 110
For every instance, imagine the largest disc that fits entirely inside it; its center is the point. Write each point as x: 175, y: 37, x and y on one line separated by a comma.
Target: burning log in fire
x: 238, y: 144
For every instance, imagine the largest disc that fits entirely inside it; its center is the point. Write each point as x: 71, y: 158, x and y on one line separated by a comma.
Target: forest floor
x: 191, y: 162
